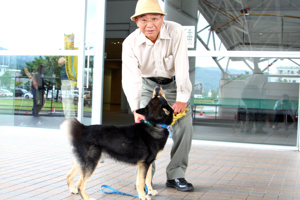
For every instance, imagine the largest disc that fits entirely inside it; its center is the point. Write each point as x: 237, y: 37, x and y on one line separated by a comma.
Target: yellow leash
x: 179, y: 115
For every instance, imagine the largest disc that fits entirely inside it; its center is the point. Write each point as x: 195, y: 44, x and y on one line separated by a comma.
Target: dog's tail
x: 73, y: 129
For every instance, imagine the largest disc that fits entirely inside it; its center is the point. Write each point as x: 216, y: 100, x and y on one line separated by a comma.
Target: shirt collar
x: 162, y: 35
x: 163, y: 32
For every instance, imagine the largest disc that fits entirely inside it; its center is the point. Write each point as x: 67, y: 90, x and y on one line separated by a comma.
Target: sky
x: 37, y: 24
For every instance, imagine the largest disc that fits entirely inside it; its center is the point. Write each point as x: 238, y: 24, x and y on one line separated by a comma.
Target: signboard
x: 190, y: 34
x: 71, y: 62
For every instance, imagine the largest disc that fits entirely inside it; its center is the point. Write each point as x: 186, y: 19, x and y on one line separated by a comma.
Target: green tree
x: 239, y: 77
x: 214, y: 94
x: 7, y: 79
x: 27, y: 85
x: 51, y: 69
x: 18, y: 83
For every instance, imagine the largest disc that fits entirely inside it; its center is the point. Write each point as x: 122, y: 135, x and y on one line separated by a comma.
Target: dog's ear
x: 141, y: 111
x: 166, y: 111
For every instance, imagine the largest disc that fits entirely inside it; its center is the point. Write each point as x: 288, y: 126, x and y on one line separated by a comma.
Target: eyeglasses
x: 146, y: 21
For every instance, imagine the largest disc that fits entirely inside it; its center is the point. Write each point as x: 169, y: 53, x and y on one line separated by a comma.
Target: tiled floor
x: 34, y: 163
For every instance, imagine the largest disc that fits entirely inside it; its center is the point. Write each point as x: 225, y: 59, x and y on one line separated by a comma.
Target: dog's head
x: 158, y: 110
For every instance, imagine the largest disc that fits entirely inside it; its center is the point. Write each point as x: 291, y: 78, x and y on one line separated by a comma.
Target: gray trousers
x: 182, y: 130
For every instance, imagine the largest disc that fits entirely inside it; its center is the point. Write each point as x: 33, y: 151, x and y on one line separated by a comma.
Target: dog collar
x: 164, y: 126
x: 146, y: 122
x: 167, y: 127
x: 161, y: 125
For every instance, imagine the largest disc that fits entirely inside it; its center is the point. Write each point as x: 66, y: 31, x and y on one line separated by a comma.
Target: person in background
x: 284, y: 112
x: 156, y: 54
x: 66, y: 90
x: 38, y: 91
x: 253, y: 95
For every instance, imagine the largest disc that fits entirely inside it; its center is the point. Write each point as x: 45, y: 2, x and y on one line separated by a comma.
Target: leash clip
x: 167, y: 127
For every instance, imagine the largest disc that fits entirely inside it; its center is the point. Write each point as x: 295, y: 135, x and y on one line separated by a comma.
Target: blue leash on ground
x: 114, y: 191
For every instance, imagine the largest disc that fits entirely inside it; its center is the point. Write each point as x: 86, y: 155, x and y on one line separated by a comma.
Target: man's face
x: 150, y: 25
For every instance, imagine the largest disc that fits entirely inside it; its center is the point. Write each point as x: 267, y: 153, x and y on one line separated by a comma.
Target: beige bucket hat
x: 147, y: 6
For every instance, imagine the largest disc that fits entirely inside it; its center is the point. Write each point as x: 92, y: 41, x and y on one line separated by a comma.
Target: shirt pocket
x: 169, y: 62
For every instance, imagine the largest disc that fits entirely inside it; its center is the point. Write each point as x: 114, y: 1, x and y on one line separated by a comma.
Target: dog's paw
x: 74, y: 190
x: 152, y: 193
x: 148, y: 197
x: 145, y: 198
x: 92, y: 199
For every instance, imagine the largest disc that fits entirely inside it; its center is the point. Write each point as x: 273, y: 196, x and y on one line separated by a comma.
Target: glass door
x: 56, y: 42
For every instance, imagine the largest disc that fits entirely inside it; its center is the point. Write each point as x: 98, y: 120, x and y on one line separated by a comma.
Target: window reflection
x: 20, y: 101
x: 239, y: 95
x: 248, y: 26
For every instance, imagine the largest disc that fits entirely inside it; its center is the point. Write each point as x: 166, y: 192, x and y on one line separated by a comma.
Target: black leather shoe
x: 180, y: 184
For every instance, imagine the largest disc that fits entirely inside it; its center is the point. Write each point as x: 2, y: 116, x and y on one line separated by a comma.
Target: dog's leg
x: 151, y: 192
x: 141, y: 179
x: 85, y: 176
x: 70, y: 178
x: 82, y: 183
x: 80, y: 180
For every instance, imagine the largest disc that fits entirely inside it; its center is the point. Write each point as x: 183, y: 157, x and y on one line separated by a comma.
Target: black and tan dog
x: 137, y: 144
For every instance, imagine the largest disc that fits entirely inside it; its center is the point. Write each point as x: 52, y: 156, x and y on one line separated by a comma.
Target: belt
x: 162, y: 81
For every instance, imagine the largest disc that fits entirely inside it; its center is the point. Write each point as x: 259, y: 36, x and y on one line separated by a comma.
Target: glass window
x: 40, y: 38
x: 243, y: 98
x: 233, y: 44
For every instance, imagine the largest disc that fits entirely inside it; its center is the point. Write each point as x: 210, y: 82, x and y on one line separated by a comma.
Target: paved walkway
x: 34, y: 163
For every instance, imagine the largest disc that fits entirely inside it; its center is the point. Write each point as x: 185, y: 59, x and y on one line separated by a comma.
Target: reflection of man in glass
x: 284, y: 112
x: 38, y: 90
x: 66, y: 89
x: 253, y: 97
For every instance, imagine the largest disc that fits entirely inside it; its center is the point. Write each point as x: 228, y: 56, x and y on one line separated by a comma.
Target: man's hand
x: 179, y: 107
x: 61, y: 61
x: 137, y: 117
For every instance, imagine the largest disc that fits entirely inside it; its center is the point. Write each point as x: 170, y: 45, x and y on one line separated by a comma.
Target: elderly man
x: 156, y: 53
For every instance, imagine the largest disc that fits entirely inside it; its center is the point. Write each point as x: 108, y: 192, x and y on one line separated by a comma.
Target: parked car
x: 54, y: 92
x: 70, y: 94
x: 75, y: 94
x: 19, y: 92
x: 28, y: 95
x: 6, y: 92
